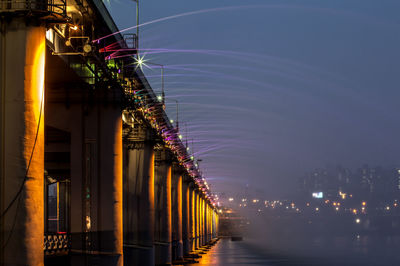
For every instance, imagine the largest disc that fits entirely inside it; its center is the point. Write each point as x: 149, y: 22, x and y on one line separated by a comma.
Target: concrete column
x: 210, y: 212
x: 206, y: 230
x: 215, y: 226
x: 203, y: 222
x: 210, y: 222
x: 207, y: 223
x: 177, y: 214
x: 192, y: 217
x: 200, y: 211
x: 186, y: 206
x: 139, y: 203
x: 162, y: 206
x: 109, y: 198
x: 198, y: 220
x: 22, y: 58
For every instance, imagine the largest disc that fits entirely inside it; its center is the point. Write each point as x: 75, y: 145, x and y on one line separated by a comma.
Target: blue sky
x: 272, y: 89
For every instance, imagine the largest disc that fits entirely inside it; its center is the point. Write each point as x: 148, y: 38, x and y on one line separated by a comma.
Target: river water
x: 321, y: 251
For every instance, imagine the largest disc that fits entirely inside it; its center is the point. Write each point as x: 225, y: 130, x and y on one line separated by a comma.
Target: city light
x: 343, y: 195
x: 231, y: 199
x: 318, y: 195
x: 358, y: 220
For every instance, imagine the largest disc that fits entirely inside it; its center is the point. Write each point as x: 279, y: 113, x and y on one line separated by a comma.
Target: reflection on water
x: 227, y: 252
x: 319, y: 251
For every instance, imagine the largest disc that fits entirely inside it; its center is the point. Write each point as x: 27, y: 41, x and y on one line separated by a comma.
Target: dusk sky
x: 270, y: 90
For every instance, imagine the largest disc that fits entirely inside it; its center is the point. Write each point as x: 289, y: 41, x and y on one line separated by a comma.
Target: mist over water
x: 291, y: 240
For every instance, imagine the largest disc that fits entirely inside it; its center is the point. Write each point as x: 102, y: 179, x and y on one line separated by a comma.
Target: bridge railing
x: 56, y: 243
x: 56, y: 8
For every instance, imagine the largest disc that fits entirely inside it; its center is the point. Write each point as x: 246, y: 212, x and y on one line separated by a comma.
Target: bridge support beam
x: 163, y: 209
x: 139, y: 202
x: 177, y: 246
x: 22, y: 59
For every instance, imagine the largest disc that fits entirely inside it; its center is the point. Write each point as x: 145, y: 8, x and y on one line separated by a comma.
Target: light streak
x: 219, y: 9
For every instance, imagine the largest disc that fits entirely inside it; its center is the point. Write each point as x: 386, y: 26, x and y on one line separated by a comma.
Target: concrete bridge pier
x: 177, y: 243
x: 209, y: 222
x: 162, y: 207
x: 204, y: 222
x: 192, y: 217
x: 197, y: 220
x: 139, y: 198
x: 201, y: 221
x: 206, y: 225
x: 214, y: 224
x: 93, y: 166
x: 205, y: 228
x: 186, y: 206
x: 109, y: 217
x: 22, y: 59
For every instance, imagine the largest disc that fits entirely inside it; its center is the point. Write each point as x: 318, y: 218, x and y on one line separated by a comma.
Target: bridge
x: 92, y: 171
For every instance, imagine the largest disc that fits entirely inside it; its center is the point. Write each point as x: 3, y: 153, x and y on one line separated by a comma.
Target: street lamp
x: 137, y: 27
x: 177, y: 115
x: 140, y: 62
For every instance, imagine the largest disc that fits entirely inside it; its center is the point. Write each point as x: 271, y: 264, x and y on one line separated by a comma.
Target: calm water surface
x: 318, y: 250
